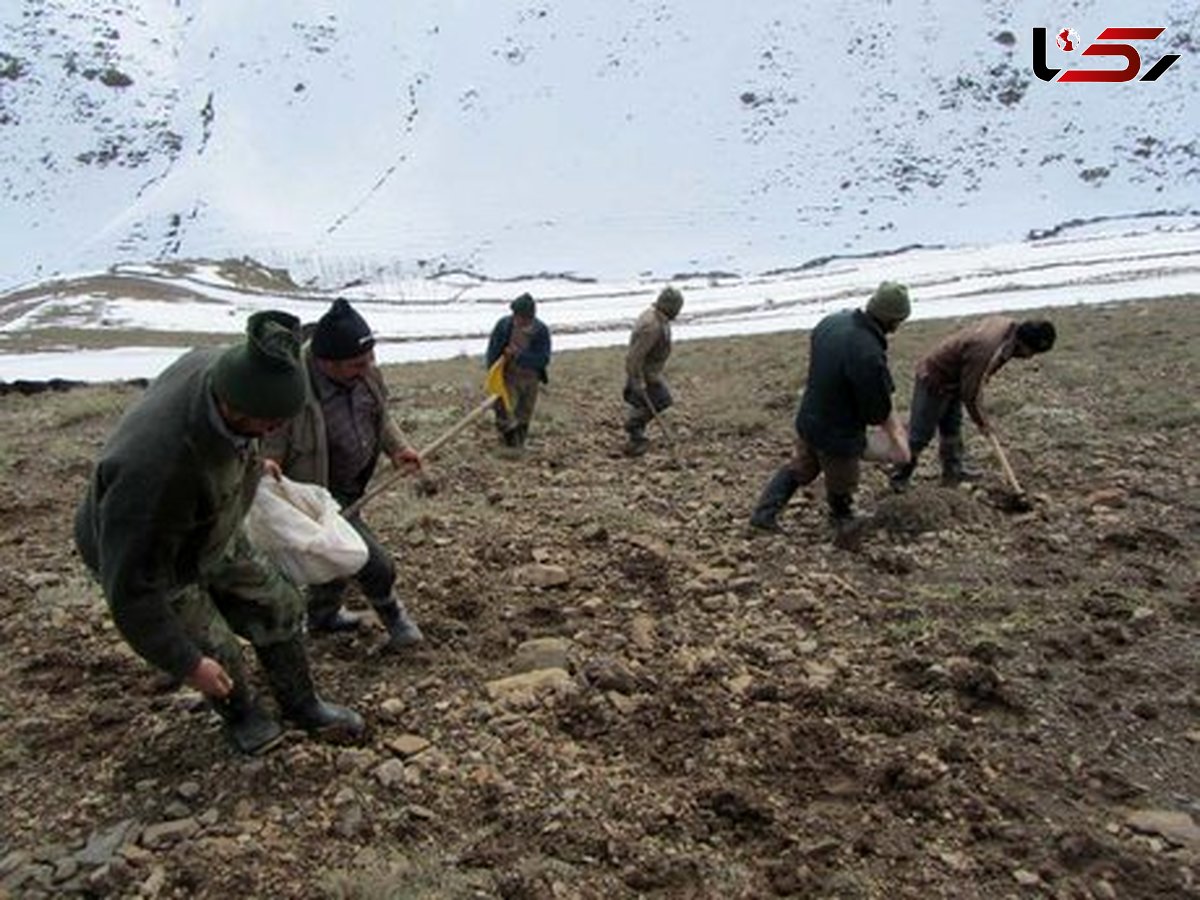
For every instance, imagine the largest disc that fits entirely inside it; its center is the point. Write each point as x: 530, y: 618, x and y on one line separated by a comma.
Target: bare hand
x: 899, y: 451
x: 408, y: 459
x: 210, y: 678
x: 271, y: 469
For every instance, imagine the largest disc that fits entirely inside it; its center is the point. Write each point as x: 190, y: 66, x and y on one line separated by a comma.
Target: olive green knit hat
x: 669, y: 302
x: 262, y: 376
x: 889, y: 304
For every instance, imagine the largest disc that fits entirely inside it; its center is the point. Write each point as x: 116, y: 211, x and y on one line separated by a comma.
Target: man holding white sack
x: 335, y: 441
x: 161, y: 527
x: 849, y: 387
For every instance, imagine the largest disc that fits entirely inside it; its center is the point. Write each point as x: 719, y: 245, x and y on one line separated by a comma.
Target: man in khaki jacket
x: 336, y: 441
x: 646, y: 390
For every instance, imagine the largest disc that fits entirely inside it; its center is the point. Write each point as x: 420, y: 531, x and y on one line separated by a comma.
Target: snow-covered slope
x: 171, y: 304
x: 635, y: 137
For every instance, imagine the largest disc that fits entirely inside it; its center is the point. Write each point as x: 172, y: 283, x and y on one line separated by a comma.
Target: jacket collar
x: 868, y: 321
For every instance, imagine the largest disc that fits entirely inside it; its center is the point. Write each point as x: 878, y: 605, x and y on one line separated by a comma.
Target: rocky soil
x: 624, y: 694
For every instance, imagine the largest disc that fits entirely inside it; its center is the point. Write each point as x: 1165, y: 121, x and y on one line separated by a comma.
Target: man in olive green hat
x: 849, y: 387
x: 646, y: 390
x: 161, y: 528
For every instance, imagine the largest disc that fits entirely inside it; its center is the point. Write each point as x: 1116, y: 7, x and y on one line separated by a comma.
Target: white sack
x: 301, y: 528
x: 880, y: 447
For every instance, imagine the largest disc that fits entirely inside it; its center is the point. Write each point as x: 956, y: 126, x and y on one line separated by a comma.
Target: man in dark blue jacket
x: 524, y: 341
x: 849, y: 387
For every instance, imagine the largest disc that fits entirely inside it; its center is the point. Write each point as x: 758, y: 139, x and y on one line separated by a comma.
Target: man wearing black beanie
x: 335, y: 441
x: 951, y: 377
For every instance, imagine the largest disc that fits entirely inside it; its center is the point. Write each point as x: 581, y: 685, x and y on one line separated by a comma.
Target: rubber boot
x: 848, y: 529
x: 340, y: 620
x: 325, y: 612
x: 247, y: 726
x: 522, y: 435
x: 956, y: 472
x: 637, y: 444
x: 402, y: 630
x: 286, y: 665
x: 775, y: 495
x: 901, y: 477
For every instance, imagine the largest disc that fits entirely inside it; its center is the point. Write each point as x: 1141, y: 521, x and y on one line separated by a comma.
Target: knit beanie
x: 524, y: 306
x: 669, y: 302
x: 889, y: 304
x: 262, y: 376
x: 1037, y: 334
x: 341, y: 333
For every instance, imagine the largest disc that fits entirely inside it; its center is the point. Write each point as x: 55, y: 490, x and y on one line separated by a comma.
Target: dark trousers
x: 932, y: 412
x: 841, y: 474
x: 523, y: 386
x: 638, y: 415
x: 375, y: 579
x: 841, y: 480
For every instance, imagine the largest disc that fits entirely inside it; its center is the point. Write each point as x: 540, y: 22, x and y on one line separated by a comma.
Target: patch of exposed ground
x: 977, y: 704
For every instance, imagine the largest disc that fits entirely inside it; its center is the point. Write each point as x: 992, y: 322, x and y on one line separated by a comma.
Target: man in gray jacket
x: 646, y: 390
x: 335, y: 441
x: 161, y: 527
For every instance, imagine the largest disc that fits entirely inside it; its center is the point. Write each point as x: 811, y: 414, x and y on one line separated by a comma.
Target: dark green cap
x: 263, y: 376
x: 669, y: 302
x: 889, y: 303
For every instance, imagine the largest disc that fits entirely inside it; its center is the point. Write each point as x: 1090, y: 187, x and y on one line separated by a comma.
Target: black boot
x: 402, y: 630
x: 248, y: 727
x: 333, y: 622
x: 286, y: 664
x: 901, y: 477
x: 848, y: 529
x: 522, y: 435
x: 956, y: 472
x: 775, y: 495
x: 325, y: 612
x: 637, y: 444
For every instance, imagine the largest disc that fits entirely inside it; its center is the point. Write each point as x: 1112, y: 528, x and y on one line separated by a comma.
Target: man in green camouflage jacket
x: 161, y: 527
